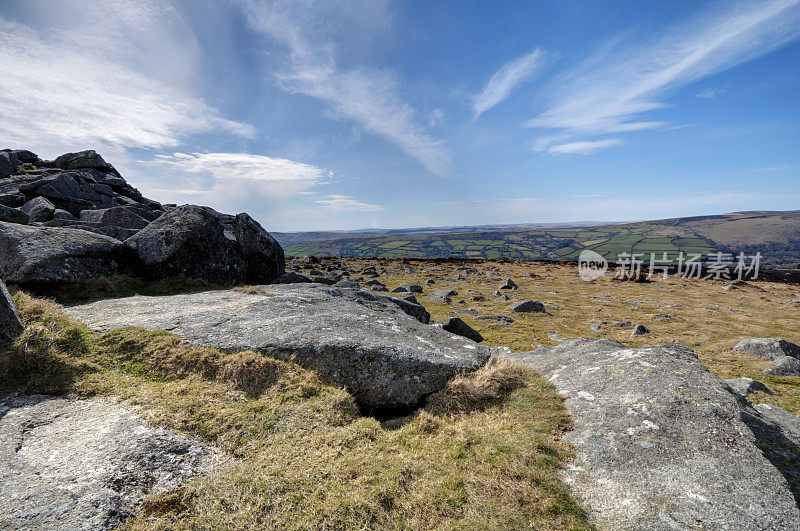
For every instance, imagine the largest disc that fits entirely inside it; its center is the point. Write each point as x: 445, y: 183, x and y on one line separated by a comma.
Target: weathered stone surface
x: 778, y: 435
x: 660, y: 443
x: 263, y: 255
x: 772, y: 348
x: 12, y: 199
x: 640, y: 330
x: 116, y: 216
x: 63, y: 215
x: 784, y: 366
x: 7, y: 164
x: 745, y: 386
x: 38, y: 209
x: 84, y: 159
x: 528, y: 307
x: 189, y: 240
x: 85, y: 464
x: 555, y: 336
x: 13, y: 215
x: 50, y: 254
x: 10, y: 322
x: 454, y: 325
x: 291, y: 277
x: 357, y: 339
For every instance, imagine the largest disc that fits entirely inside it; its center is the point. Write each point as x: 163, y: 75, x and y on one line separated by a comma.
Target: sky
x: 322, y: 115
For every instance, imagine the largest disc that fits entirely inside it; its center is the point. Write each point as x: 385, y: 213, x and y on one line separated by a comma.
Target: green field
x: 779, y: 247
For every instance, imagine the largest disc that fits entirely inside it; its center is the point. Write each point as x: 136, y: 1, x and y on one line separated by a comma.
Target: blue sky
x: 349, y: 114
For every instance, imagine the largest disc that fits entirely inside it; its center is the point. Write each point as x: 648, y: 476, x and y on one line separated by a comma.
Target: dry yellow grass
x: 704, y: 317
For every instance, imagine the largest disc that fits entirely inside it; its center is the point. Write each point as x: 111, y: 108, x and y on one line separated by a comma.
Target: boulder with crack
x: 365, y: 342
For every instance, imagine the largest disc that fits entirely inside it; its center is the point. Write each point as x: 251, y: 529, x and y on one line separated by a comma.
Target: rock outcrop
x: 661, y: 442
x: 46, y: 254
x: 85, y: 464
x: 80, y: 195
x: 365, y: 342
x: 785, y: 355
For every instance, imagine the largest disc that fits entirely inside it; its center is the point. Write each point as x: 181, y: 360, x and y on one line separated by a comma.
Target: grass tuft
x: 475, y: 391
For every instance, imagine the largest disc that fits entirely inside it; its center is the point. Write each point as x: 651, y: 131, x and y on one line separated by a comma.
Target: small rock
x: 745, y: 386
x: 445, y: 293
x: 38, y: 209
x: 13, y: 215
x: 594, y: 326
x: 501, y: 318
x: 555, y: 336
x: 400, y: 289
x: 508, y: 284
x: 454, y: 325
x: 411, y: 298
x: 662, y: 316
x: 503, y: 298
x: 640, y: 330
x: 528, y: 307
x: 347, y: 283
x: 430, y: 281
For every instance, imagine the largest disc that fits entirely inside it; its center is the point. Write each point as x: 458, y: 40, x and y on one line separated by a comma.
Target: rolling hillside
x: 775, y: 234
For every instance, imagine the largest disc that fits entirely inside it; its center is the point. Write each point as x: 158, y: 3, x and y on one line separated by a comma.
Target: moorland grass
x: 695, y: 313
x: 483, y: 454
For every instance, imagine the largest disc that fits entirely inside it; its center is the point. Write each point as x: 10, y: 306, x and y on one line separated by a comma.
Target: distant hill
x: 286, y: 238
x: 775, y: 234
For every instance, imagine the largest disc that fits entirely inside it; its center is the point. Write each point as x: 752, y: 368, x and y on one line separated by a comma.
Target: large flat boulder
x: 660, y: 441
x: 85, y: 464
x: 364, y: 342
x: 50, y: 254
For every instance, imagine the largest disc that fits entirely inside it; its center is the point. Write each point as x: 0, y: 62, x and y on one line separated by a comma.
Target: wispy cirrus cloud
x: 64, y: 87
x: 583, y: 147
x: 509, y: 77
x: 367, y: 96
x: 609, y: 93
x: 346, y: 203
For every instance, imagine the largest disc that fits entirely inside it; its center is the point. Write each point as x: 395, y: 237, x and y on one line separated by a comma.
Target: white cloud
x: 510, y: 76
x: 710, y: 93
x: 273, y: 177
x: 583, y: 147
x: 346, y: 203
x: 369, y: 97
x: 606, y: 93
x: 71, y: 87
